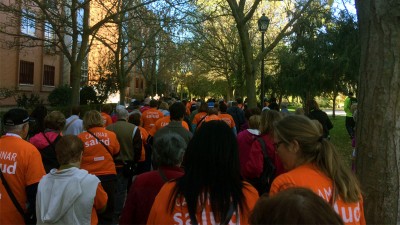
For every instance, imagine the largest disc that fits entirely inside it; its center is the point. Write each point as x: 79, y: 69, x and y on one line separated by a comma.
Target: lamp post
x: 263, y: 24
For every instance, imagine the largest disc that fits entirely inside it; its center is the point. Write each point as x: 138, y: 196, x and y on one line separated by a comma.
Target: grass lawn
x: 340, y: 138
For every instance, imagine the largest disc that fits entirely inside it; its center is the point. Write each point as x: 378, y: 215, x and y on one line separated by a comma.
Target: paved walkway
x: 337, y: 112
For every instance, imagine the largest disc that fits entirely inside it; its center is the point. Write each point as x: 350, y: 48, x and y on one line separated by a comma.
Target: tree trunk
x: 378, y: 127
x: 334, y: 104
x: 75, y: 74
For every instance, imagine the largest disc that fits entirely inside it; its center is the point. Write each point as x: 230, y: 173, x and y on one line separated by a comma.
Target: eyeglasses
x: 276, y: 145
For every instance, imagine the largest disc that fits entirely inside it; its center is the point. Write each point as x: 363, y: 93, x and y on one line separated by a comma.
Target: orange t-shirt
x: 159, y: 213
x: 144, y: 135
x: 96, y: 159
x: 21, y: 165
x: 188, y: 106
x: 100, y: 201
x: 149, y: 118
x: 208, y: 119
x: 228, y: 119
x: 107, y: 120
x: 309, y: 176
x: 197, y: 118
x: 162, y: 122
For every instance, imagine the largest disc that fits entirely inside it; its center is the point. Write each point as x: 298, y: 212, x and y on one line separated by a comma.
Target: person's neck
x: 20, y: 133
x: 70, y: 165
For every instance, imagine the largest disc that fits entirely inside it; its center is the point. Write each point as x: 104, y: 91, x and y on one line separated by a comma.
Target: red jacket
x: 251, y: 156
x: 142, y: 193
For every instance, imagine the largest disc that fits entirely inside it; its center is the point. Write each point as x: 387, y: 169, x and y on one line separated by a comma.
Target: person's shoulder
x: 25, y: 144
x: 249, y: 190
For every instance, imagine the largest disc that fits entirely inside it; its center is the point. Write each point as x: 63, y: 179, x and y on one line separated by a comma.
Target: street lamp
x: 263, y: 24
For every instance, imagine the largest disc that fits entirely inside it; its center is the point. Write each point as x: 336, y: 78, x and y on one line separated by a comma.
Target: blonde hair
x: 163, y: 105
x: 321, y: 152
x: 268, y: 117
x: 54, y: 120
x: 254, y: 121
x: 91, y: 119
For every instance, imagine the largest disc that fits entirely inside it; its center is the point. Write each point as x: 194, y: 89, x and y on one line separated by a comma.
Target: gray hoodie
x: 66, y: 197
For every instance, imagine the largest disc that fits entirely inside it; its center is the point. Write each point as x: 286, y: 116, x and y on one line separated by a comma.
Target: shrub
x: 28, y: 102
x: 60, y: 96
x: 88, y: 95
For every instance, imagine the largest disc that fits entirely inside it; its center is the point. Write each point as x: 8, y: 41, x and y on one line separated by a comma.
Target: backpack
x: 48, y: 153
x: 263, y: 183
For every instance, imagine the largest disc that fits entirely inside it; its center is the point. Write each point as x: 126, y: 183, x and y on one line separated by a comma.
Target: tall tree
x: 378, y: 129
x: 243, y: 11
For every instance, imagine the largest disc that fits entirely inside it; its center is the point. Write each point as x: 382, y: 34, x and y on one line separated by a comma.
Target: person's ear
x: 295, y: 146
x: 25, y: 130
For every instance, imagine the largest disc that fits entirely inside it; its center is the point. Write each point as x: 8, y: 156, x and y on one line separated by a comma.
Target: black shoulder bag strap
x: 47, y: 139
x: 162, y: 175
x: 11, y: 194
x: 201, y: 121
x: 101, y: 142
x: 263, y: 146
x: 228, y: 217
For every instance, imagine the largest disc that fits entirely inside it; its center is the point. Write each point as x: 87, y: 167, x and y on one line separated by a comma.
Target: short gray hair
x: 168, y: 150
x: 122, y: 113
x: 16, y: 128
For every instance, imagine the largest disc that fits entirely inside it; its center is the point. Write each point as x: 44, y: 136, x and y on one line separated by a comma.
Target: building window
x: 28, y: 23
x: 49, y: 38
x: 48, y: 75
x: 137, y: 83
x: 141, y: 83
x: 26, y: 70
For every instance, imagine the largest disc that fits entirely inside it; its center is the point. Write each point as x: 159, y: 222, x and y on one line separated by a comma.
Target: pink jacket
x: 40, y: 142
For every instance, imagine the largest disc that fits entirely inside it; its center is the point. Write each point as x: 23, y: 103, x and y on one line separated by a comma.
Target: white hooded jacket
x: 66, y: 197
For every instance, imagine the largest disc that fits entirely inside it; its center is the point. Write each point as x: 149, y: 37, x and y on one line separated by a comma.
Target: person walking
x: 313, y: 162
x: 168, y: 150
x: 317, y: 114
x: 201, y: 114
x: 257, y: 158
x: 106, y: 114
x: 151, y: 115
x: 245, y: 140
x: 226, y: 117
x: 177, y: 112
x: 211, y: 191
x: 21, y: 170
x: 294, y: 206
x: 130, y: 142
x: 237, y: 115
x: 73, y: 124
x: 46, y: 141
x: 349, y: 123
x: 69, y: 195
x: 101, y: 146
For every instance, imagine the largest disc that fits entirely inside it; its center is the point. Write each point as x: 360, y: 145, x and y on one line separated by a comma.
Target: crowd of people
x: 174, y: 162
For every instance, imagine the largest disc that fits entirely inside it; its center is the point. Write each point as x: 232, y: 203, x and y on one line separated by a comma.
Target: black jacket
x: 323, y: 118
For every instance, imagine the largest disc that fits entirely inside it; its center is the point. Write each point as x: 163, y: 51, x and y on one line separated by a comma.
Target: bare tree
x: 70, y: 22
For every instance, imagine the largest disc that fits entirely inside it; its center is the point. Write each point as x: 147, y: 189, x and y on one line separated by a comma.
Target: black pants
x: 350, y: 124
x: 109, y: 183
